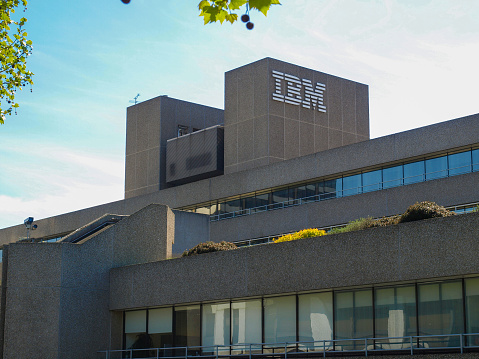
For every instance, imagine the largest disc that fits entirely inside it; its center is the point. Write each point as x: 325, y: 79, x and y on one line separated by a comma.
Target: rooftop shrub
x: 207, y: 247
x: 305, y: 233
x: 424, y: 210
x: 356, y: 225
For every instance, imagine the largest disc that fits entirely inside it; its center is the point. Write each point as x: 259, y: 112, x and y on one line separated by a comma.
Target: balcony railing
x: 408, y: 345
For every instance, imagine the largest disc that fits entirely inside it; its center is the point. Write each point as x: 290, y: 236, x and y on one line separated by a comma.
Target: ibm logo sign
x: 292, y: 90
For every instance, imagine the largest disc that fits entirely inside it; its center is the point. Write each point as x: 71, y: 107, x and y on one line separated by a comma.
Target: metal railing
x: 398, y: 182
x: 409, y: 345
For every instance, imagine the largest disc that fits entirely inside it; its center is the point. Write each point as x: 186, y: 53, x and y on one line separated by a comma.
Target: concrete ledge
x: 420, y: 250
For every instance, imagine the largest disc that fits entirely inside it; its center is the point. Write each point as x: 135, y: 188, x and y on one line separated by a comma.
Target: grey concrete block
x: 141, y: 169
x: 306, y: 138
x: 261, y: 136
x: 245, y: 141
x: 348, y: 102
x: 291, y: 139
x: 276, y: 137
x: 32, y: 313
x: 334, y: 103
x: 231, y: 145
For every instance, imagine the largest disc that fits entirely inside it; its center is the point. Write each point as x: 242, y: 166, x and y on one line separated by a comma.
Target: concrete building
x: 290, y: 151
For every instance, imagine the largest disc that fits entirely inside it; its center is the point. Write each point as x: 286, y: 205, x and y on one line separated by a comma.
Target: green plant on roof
x: 424, y: 210
x: 207, y: 247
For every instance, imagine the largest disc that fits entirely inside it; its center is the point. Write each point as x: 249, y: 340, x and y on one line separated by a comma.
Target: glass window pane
x: 392, y: 176
x: 135, y: 321
x: 472, y: 309
x: 203, y: 210
x: 246, y: 326
x: 315, y: 318
x: 353, y: 317
x: 459, y: 163
x: 440, y: 312
x: 160, y: 320
x: 281, y: 196
x: 187, y: 327
x: 436, y: 168
x: 221, y: 208
x: 395, y: 316
x: 351, y: 185
x: 160, y: 328
x: 475, y: 160
x: 232, y: 206
x: 280, y: 319
x: 216, y: 325
x: 372, y: 181
x: 331, y: 189
x: 215, y: 209
x: 135, y: 330
x: 414, y: 172
x: 249, y: 202
x: 262, y: 199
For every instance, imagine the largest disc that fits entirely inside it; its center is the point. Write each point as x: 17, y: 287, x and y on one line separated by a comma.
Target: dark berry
x: 249, y: 26
x: 125, y: 1
x: 245, y: 18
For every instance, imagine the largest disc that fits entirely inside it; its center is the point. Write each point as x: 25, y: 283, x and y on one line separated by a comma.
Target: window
x: 459, y: 163
x: 136, y: 336
x: 160, y: 328
x: 472, y: 310
x: 246, y: 324
x: 392, y: 176
x: 182, y: 130
x: 280, y: 319
x: 353, y: 318
x: 395, y: 316
x: 315, y: 319
x: 436, y: 168
x: 351, y: 185
x: 372, y: 181
x: 440, y: 312
x: 187, y: 328
x: 215, y: 326
x: 414, y: 172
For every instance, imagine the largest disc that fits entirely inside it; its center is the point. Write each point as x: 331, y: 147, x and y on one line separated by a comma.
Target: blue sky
x: 65, y: 149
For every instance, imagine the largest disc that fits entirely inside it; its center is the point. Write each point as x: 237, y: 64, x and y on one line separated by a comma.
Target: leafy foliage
x: 209, y: 246
x: 14, y: 50
x: 424, y: 210
x: 221, y: 10
x: 305, y: 233
x: 415, y: 212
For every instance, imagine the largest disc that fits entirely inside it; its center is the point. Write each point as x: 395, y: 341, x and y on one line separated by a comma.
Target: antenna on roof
x: 135, y: 99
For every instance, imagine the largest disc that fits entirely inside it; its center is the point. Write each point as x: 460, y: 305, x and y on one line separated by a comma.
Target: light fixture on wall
x: 28, y: 222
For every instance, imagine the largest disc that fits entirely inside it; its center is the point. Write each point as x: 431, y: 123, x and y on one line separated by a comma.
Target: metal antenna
x: 135, y: 99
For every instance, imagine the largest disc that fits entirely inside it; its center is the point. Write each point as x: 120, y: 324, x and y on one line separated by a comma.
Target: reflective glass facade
x: 426, y: 169
x: 438, y: 311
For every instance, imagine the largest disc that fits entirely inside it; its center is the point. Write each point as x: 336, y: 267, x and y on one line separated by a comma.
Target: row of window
x: 365, y: 181
x: 437, y: 309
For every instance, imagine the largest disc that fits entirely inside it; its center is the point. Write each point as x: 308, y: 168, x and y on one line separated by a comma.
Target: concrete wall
x: 410, y: 144
x: 190, y: 229
x: 413, y: 251
x: 57, y: 294
x: 260, y: 130
x: 149, y: 125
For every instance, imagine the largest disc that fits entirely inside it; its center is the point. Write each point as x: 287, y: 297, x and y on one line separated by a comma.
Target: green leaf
x: 236, y: 4
x: 231, y: 18
x: 203, y: 3
x: 262, y: 5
